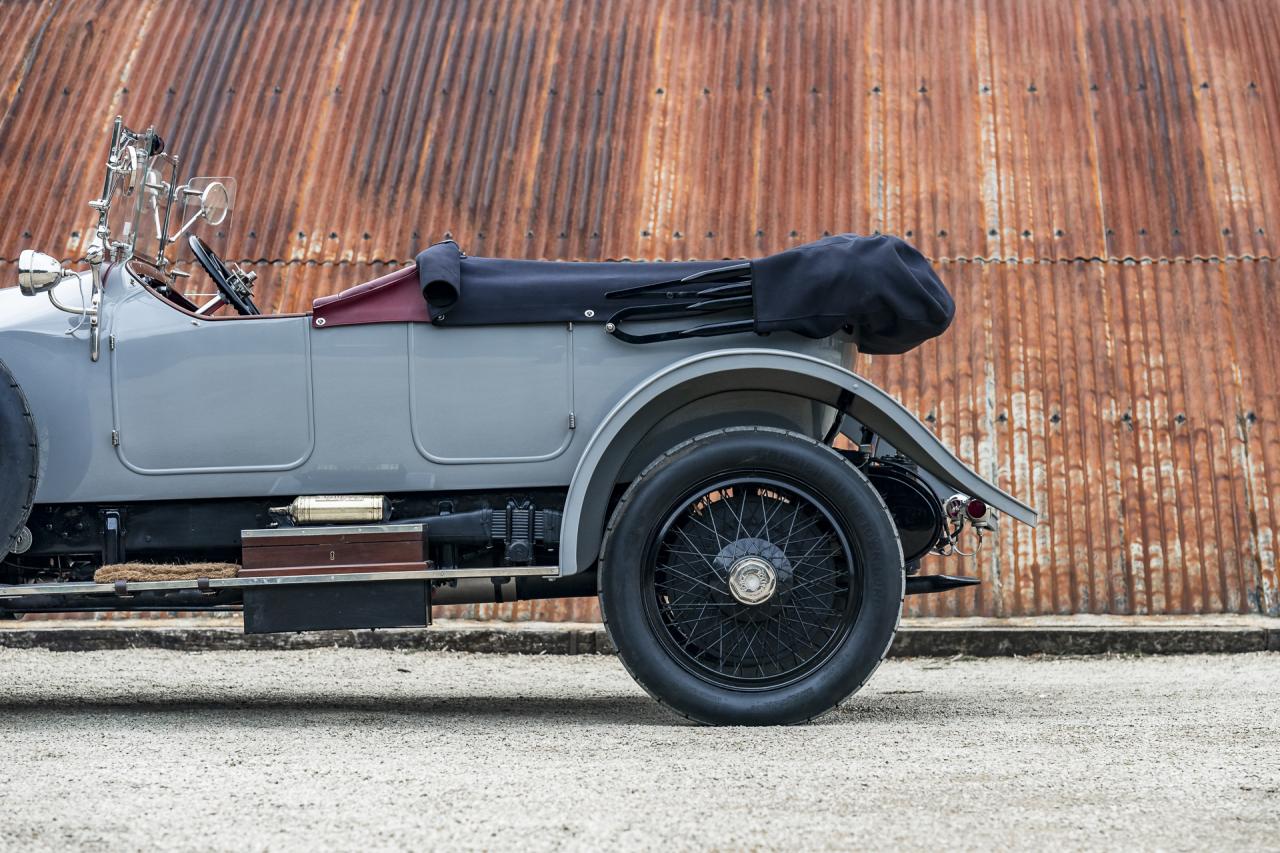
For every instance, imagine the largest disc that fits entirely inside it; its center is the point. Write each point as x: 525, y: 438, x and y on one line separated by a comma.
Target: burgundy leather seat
x: 392, y: 298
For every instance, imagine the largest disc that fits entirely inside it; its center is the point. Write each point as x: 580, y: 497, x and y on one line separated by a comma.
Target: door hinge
x: 111, y: 343
x: 573, y: 421
x: 115, y: 438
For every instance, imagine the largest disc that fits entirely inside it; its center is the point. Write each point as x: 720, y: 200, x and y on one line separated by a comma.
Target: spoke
x: 701, y: 556
x: 805, y: 539
x: 689, y: 578
x: 751, y: 646
x: 815, y: 597
x: 830, y: 568
x: 687, y: 600
x: 687, y: 570
x: 676, y: 602
x: 823, y: 600
x: 806, y: 554
x: 823, y: 564
x: 785, y: 625
x: 695, y: 620
x: 830, y: 579
x: 738, y: 665
x: 794, y: 514
x: 764, y: 518
x: 825, y: 611
x: 721, y: 624
x: 697, y: 554
x: 815, y: 625
x: 690, y: 562
x: 737, y: 516
x: 780, y: 504
x: 742, y: 510
x: 712, y: 529
x: 794, y: 530
x: 734, y: 627
x: 780, y: 647
x: 809, y: 569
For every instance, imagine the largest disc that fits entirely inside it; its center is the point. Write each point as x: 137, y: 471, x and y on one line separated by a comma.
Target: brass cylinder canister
x: 337, y: 509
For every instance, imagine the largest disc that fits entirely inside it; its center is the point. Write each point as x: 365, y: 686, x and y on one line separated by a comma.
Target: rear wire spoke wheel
x: 751, y: 576
x: 754, y: 583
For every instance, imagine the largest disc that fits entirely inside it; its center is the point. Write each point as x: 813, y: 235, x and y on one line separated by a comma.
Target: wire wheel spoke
x: 754, y: 582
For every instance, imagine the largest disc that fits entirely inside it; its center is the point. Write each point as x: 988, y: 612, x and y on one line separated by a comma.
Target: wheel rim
x: 750, y: 583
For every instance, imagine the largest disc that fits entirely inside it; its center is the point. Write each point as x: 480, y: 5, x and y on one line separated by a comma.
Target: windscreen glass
x: 154, y: 199
x: 126, y: 193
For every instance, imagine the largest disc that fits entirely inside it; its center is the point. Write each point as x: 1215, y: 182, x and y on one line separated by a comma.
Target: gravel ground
x: 376, y: 749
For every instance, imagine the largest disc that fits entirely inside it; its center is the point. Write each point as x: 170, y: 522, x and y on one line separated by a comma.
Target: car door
x: 196, y: 395
x: 491, y: 394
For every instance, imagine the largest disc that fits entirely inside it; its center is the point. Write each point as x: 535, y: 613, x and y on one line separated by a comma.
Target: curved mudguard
x: 769, y: 370
x: 19, y: 460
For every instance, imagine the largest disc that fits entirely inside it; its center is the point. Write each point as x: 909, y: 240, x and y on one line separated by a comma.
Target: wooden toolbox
x: 287, y: 551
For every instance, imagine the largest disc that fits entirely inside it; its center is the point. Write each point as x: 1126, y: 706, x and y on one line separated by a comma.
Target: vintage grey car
x: 683, y: 440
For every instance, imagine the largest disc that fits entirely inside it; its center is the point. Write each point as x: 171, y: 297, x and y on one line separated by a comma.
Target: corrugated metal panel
x: 540, y: 129
x: 1121, y: 399
x: 1095, y: 180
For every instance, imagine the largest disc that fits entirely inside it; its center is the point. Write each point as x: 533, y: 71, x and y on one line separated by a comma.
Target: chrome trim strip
x: 89, y: 588
x: 272, y: 532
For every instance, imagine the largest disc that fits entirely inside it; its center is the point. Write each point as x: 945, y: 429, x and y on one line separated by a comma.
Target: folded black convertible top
x: 879, y: 290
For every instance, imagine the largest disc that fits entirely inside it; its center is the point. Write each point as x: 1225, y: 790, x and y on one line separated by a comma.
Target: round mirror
x: 215, y: 202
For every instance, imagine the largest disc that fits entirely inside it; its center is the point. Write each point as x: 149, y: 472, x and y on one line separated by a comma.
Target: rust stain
x: 1097, y: 182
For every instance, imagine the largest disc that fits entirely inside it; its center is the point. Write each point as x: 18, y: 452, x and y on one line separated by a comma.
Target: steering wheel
x: 229, y: 287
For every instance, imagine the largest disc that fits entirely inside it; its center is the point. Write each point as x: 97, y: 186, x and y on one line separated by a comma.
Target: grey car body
x: 182, y: 407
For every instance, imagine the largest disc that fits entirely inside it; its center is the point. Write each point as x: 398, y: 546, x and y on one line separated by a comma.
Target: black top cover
x: 463, y: 291
x: 879, y: 290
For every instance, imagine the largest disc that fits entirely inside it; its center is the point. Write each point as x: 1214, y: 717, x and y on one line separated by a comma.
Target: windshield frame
x: 132, y: 160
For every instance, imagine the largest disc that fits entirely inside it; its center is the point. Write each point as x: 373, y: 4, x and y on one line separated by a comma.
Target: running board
x: 922, y: 584
x: 205, y: 584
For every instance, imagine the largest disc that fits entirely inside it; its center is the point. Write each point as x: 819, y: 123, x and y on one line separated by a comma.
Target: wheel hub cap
x: 753, y: 580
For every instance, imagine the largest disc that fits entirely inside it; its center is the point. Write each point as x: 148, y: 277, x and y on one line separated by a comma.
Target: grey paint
x: 249, y: 409
x: 271, y: 407
x: 767, y: 370
x: 531, y: 384
x: 370, y: 434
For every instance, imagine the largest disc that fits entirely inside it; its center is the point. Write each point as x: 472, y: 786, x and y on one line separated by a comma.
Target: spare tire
x: 19, y: 460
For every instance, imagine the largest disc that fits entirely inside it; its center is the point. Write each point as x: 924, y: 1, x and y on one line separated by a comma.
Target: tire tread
x: 33, y: 476
x: 627, y: 496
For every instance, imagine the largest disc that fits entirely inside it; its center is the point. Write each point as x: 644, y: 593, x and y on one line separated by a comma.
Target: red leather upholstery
x: 393, y: 298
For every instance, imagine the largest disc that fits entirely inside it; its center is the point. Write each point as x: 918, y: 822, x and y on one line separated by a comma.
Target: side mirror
x: 215, y: 203
x: 37, y: 272
x: 210, y: 199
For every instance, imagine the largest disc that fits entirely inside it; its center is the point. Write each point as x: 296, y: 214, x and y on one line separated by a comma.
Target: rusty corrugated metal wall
x: 1095, y: 180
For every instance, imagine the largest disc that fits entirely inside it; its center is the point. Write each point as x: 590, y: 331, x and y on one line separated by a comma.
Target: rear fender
x: 604, y: 462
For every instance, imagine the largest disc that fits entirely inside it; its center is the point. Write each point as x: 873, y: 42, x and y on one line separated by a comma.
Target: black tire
x: 664, y: 595
x: 19, y: 460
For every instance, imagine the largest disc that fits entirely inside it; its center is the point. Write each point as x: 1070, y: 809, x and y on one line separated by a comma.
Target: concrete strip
x: 337, y: 749
x: 917, y: 637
